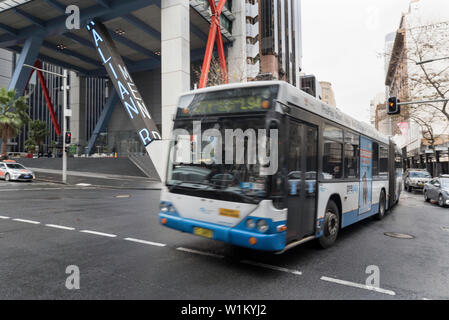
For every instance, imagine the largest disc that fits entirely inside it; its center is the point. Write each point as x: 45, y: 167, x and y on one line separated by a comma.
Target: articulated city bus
x: 312, y: 171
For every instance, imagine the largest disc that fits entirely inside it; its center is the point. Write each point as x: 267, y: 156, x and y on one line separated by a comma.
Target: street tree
x: 426, y: 122
x: 429, y: 81
x: 13, y: 116
x: 215, y: 76
x: 417, y: 81
x: 36, y: 135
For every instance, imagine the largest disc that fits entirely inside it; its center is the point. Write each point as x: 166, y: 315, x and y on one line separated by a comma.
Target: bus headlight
x: 164, y: 207
x: 250, y: 224
x: 262, y: 225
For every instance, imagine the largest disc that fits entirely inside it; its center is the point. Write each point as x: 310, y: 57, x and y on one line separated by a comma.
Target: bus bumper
x: 233, y: 235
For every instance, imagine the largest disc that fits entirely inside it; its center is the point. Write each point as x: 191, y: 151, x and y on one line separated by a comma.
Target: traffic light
x: 393, y: 107
x: 68, y: 138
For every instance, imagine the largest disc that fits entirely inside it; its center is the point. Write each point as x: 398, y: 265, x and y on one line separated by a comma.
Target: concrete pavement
x: 97, y: 179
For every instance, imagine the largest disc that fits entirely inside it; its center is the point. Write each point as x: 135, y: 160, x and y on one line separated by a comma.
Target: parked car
x: 11, y: 170
x: 416, y: 179
x: 438, y: 189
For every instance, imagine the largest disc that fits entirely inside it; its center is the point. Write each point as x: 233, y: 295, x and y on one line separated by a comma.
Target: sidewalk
x: 97, y: 179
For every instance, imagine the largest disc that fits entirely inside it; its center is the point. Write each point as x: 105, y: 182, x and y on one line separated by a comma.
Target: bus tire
x: 331, y: 226
x: 382, y: 206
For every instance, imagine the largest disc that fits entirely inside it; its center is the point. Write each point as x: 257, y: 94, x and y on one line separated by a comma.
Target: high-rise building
x: 423, y: 131
x: 5, y: 67
x: 281, y: 39
x: 327, y: 93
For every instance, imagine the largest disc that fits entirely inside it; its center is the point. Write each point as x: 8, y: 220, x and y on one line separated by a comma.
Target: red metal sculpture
x: 214, y: 34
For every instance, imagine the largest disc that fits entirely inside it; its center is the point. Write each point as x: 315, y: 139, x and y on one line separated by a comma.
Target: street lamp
x: 65, y: 114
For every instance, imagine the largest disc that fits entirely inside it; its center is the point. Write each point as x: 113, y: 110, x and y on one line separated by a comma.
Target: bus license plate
x: 203, y: 232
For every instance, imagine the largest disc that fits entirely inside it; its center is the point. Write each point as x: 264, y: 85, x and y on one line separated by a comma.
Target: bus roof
x: 297, y: 97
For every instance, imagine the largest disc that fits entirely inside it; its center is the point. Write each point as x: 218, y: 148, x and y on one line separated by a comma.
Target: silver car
x: 11, y: 170
x: 416, y: 179
x: 438, y: 189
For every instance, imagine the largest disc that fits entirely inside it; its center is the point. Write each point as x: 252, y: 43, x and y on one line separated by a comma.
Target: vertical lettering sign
x: 129, y: 95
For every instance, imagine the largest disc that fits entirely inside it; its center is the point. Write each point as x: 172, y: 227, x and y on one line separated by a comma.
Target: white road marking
x: 200, y: 252
x: 358, y: 285
x: 39, y: 189
x: 59, y: 227
x: 146, y: 242
x: 267, y: 266
x: 4, y: 218
x: 83, y: 184
x: 99, y: 233
x: 26, y: 221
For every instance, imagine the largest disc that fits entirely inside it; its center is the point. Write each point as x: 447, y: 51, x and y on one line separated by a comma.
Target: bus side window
x: 351, y: 155
x: 383, y: 154
x: 375, y: 159
x: 333, y: 152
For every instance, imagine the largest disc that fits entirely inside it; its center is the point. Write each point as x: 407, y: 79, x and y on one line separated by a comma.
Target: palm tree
x: 37, y: 133
x: 13, y: 116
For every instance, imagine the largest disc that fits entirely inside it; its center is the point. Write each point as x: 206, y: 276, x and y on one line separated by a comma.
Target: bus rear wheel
x: 331, y: 226
x: 382, y: 206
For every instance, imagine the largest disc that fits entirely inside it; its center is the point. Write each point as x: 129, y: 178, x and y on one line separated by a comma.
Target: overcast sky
x: 341, y: 43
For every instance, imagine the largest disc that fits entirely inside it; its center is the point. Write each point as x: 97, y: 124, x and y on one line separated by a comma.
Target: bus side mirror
x: 272, y: 125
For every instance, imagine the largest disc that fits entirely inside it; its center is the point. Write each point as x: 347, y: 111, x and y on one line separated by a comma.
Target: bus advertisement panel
x: 366, y: 174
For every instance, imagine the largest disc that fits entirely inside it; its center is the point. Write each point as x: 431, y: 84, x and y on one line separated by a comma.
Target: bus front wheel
x: 331, y: 226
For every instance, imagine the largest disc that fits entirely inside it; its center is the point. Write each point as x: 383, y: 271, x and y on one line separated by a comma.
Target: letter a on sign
x: 121, y: 78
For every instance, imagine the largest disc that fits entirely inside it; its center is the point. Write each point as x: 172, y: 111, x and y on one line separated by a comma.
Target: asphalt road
x: 123, y: 253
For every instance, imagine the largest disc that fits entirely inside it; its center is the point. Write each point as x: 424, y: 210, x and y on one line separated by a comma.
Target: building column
x: 175, y: 58
x: 28, y: 56
x: 237, y: 68
x: 78, y: 107
x: 175, y: 70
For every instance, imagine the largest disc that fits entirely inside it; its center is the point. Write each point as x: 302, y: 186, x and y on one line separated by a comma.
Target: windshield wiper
x: 188, y: 185
x: 241, y: 195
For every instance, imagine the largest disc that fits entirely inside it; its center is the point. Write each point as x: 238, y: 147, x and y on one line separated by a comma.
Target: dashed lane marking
x: 4, y: 218
x: 27, y: 221
x: 59, y: 227
x: 146, y: 242
x: 42, y: 189
x: 200, y: 252
x: 99, y: 233
x: 267, y: 266
x: 358, y: 285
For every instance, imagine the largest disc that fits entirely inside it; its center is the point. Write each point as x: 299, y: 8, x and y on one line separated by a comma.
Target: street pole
x: 64, y: 115
x: 422, y: 102
x: 64, y: 126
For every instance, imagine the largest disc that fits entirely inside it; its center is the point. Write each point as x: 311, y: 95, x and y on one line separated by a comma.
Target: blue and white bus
x: 331, y: 169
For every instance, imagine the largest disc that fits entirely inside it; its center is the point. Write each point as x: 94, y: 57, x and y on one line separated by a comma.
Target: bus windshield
x: 216, y: 157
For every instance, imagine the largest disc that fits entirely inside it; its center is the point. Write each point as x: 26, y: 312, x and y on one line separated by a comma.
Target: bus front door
x: 302, y: 165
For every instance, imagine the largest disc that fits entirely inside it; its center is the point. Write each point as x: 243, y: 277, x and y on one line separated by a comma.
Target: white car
x: 11, y: 170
